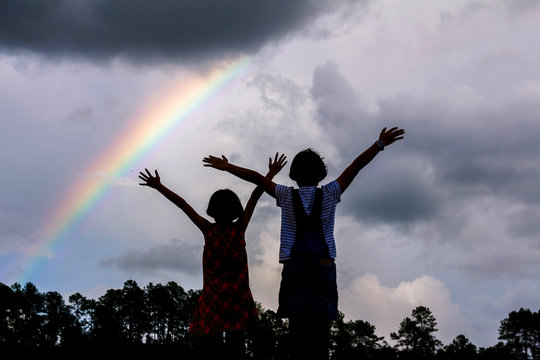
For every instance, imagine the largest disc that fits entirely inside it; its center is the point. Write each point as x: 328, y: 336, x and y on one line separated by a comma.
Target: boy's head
x: 307, y: 168
x: 224, y: 206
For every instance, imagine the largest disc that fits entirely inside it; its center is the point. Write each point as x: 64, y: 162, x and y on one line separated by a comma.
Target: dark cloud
x: 389, y: 193
x: 80, y: 115
x: 509, y: 264
x: 393, y: 192
x: 451, y: 152
x: 142, y: 30
x: 279, y: 95
x: 522, y: 6
x: 474, y: 153
x: 340, y: 107
x: 177, y: 256
x: 525, y: 224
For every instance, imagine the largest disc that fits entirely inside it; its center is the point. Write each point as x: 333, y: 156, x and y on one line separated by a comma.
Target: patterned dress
x: 226, y: 302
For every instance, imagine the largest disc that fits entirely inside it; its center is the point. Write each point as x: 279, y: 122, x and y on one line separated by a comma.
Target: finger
x: 148, y: 172
x: 157, y: 175
x: 224, y: 158
x: 382, y: 131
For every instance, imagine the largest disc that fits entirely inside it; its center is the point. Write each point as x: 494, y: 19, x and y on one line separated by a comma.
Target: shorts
x: 308, y: 289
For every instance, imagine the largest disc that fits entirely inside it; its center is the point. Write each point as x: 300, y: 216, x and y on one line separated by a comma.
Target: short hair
x: 308, y: 167
x: 224, y: 205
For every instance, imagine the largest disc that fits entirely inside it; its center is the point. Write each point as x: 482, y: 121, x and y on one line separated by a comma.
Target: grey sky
x: 446, y: 218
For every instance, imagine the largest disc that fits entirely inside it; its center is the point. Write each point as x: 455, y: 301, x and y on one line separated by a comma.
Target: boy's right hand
x: 215, y: 162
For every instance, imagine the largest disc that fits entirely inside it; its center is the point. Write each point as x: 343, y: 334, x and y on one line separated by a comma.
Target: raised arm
x: 155, y: 182
x: 385, y: 138
x: 274, y: 167
x: 254, y: 177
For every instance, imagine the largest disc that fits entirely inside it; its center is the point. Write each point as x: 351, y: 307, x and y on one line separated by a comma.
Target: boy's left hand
x: 278, y: 164
x: 389, y: 136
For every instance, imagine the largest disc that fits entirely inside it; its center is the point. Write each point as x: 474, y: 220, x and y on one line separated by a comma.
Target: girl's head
x: 224, y: 206
x: 307, y: 168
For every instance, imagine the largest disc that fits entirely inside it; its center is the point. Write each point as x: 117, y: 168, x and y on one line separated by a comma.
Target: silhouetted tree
x: 133, y: 312
x: 155, y: 321
x: 521, y: 331
x: 415, y: 335
x: 181, y: 310
x: 268, y: 340
x: 83, y: 310
x: 356, y: 339
x: 28, y: 315
x: 500, y: 351
x: 170, y: 310
x: 59, y: 323
x: 459, y: 349
x: 159, y: 305
x: 7, y: 314
x: 107, y: 319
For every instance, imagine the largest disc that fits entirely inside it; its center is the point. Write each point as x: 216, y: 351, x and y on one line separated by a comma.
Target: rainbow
x: 162, y: 119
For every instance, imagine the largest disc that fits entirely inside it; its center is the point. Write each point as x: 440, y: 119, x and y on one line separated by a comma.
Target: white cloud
x: 264, y: 268
x: 385, y: 307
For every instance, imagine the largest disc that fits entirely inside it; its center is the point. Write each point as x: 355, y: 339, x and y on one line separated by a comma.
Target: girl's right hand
x: 149, y: 180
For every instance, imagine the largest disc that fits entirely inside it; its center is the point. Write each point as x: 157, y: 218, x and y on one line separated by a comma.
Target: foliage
x: 415, y: 335
x: 154, y: 320
x: 521, y: 331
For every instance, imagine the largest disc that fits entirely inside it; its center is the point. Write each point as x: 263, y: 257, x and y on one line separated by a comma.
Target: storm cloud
x: 177, y: 255
x: 141, y: 30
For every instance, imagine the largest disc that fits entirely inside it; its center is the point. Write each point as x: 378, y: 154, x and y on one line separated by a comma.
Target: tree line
x: 154, y: 320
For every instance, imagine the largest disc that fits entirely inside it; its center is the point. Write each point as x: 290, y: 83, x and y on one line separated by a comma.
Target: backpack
x: 309, y: 241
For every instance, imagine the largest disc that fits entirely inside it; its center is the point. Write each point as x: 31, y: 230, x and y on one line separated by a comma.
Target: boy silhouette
x: 308, y: 290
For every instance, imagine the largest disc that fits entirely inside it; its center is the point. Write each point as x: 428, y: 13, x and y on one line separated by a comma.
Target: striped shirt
x: 330, y: 198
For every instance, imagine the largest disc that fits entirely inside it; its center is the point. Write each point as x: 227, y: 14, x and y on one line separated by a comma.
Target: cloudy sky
x: 446, y: 218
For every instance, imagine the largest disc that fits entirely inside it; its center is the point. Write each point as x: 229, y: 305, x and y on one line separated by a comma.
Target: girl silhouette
x: 226, y: 303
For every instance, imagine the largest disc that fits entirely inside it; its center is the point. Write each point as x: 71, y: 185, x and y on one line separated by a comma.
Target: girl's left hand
x: 275, y: 166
